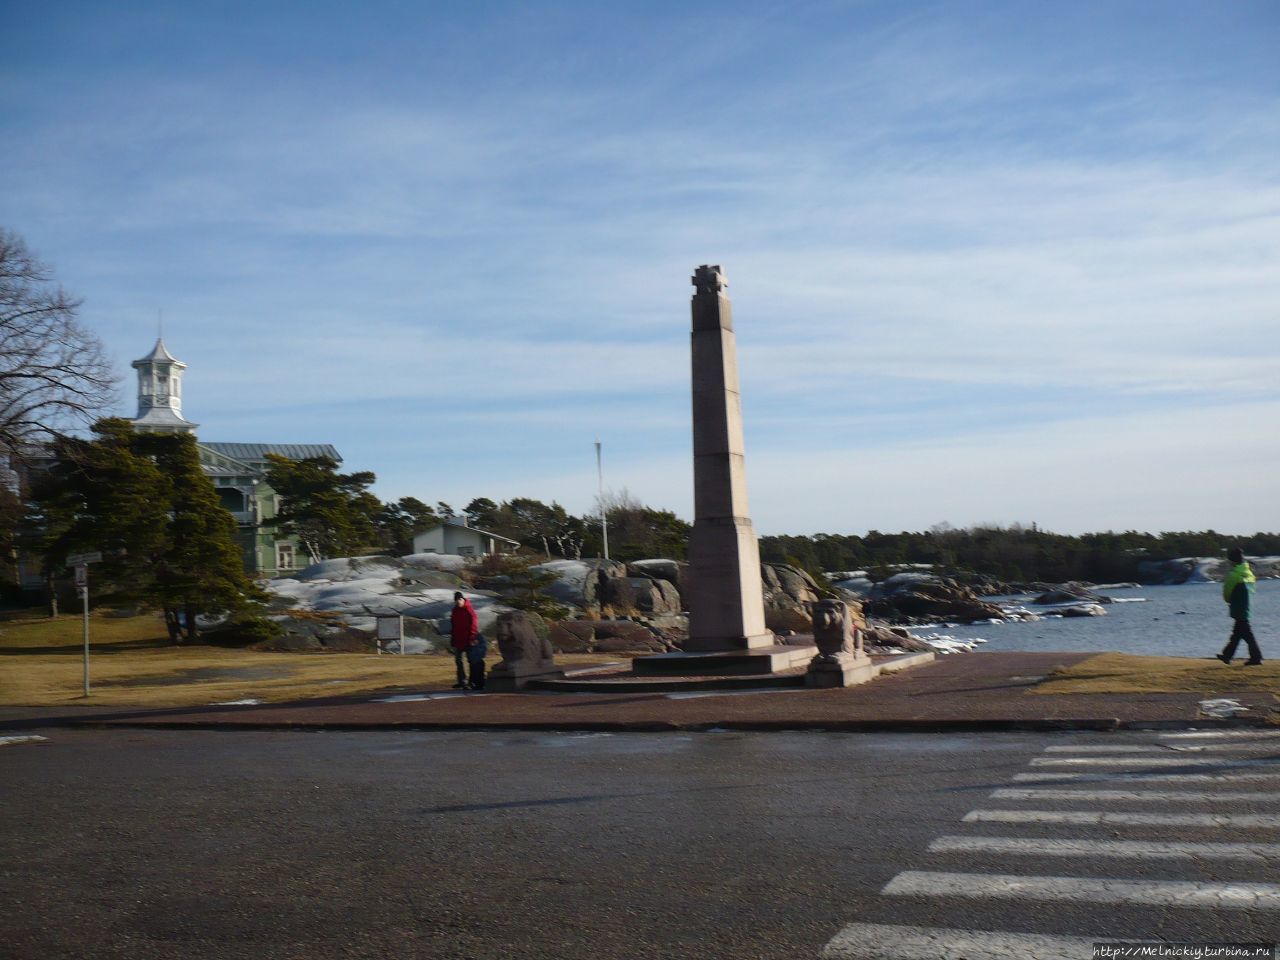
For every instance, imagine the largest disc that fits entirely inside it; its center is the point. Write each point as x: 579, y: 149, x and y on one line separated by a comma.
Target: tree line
x: 1014, y: 554
x: 334, y: 514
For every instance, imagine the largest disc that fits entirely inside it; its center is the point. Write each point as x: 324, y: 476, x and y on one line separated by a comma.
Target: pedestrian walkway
x: 972, y: 691
x: 1168, y: 873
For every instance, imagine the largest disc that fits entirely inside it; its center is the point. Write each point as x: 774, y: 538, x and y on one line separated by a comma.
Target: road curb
x: 956, y: 725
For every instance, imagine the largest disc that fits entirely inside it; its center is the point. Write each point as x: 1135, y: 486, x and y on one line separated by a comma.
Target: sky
x: 991, y: 262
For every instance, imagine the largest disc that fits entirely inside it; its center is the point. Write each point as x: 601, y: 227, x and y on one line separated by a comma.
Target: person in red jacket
x: 464, y: 625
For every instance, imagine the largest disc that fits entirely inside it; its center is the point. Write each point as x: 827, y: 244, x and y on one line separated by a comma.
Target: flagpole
x: 604, y: 524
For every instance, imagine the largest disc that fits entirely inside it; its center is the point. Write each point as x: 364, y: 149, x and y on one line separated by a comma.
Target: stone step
x: 760, y: 660
x: 630, y: 683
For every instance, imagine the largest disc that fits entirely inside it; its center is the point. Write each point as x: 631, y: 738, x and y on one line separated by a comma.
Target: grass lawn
x: 132, y: 663
x: 1122, y: 673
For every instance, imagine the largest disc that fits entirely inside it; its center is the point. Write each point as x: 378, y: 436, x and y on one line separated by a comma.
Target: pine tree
x: 201, y: 568
x: 144, y: 502
x: 101, y: 495
x: 332, y: 513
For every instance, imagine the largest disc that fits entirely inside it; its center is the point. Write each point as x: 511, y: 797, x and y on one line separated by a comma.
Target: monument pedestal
x: 507, y: 681
x: 725, y: 663
x: 840, y: 671
x: 525, y: 655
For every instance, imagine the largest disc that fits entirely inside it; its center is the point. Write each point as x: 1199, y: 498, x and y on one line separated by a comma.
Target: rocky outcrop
x: 924, y: 598
x: 674, y: 572
x: 1080, y: 610
x: 1072, y: 592
x: 642, y: 594
x: 787, y: 587
x: 881, y: 640
x: 653, y: 588
x: 788, y: 594
x: 606, y: 636
x: 581, y: 583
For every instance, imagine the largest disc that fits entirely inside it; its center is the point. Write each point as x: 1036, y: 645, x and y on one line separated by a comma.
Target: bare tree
x: 53, y: 372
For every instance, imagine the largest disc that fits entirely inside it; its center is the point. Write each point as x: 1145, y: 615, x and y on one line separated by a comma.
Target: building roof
x: 162, y: 417
x: 257, y: 452
x: 159, y: 353
x: 463, y: 525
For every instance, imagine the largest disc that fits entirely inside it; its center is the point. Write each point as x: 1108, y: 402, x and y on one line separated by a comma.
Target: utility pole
x: 604, y: 523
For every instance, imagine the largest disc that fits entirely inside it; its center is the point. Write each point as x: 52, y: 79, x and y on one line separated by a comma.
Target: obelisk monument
x: 726, y: 603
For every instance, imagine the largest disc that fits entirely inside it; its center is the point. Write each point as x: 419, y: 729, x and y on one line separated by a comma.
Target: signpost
x: 81, y: 562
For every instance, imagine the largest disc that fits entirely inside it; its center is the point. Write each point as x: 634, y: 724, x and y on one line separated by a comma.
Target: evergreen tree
x: 398, y: 523
x: 144, y: 502
x: 482, y: 512
x: 332, y: 514
x: 101, y: 495
x: 201, y: 568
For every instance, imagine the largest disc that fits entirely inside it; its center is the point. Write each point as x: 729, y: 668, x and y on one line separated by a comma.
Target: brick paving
x: 973, y: 691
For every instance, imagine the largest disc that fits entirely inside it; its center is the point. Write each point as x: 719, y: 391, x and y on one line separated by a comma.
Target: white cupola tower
x: 160, y: 393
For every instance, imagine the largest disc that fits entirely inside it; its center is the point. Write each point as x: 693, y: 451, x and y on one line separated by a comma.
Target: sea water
x: 1189, y: 620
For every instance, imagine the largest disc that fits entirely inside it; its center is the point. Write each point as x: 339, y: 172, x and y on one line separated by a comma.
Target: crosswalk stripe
x: 1150, y: 762
x: 1142, y: 796
x: 1132, y: 849
x: 1255, y: 821
x: 876, y: 941
x: 1122, y: 776
x: 1108, y: 748
x: 1165, y: 893
x: 1269, y: 746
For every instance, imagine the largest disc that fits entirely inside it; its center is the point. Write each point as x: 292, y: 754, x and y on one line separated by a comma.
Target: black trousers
x: 477, y: 673
x: 1242, y: 630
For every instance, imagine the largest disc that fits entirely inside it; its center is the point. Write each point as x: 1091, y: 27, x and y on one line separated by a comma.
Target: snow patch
x: 1222, y: 708
x: 944, y: 644
x: 445, y: 562
x: 14, y: 741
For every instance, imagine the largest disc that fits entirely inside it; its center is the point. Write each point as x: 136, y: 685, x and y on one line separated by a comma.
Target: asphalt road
x: 142, y: 844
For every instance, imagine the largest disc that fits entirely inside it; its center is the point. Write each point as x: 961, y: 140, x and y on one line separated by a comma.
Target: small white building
x: 455, y: 537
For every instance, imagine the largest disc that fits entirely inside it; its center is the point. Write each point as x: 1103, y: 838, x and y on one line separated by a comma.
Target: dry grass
x: 132, y: 663
x: 1122, y: 673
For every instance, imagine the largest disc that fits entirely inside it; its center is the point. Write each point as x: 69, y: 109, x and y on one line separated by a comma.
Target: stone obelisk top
x: 726, y: 604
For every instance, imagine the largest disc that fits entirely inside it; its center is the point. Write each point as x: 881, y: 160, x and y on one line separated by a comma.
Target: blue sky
x: 990, y: 261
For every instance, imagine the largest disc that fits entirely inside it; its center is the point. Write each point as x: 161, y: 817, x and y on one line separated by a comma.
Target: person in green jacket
x: 1237, y: 590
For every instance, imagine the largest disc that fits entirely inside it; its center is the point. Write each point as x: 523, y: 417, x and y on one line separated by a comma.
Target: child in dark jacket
x: 1237, y: 591
x: 475, y: 661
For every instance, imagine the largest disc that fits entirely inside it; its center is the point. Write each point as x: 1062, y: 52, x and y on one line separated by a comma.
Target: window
x: 466, y: 551
x: 284, y: 556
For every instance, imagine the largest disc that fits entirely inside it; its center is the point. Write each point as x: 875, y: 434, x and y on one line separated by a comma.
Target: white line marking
x: 1149, y: 762
x: 1104, y: 777
x: 1165, y: 893
x: 876, y: 941
x: 1213, y: 734
x: 14, y: 741
x: 1255, y: 821
x: 1114, y: 748
x: 1133, y: 849
x: 1166, y: 748
x: 1142, y: 796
